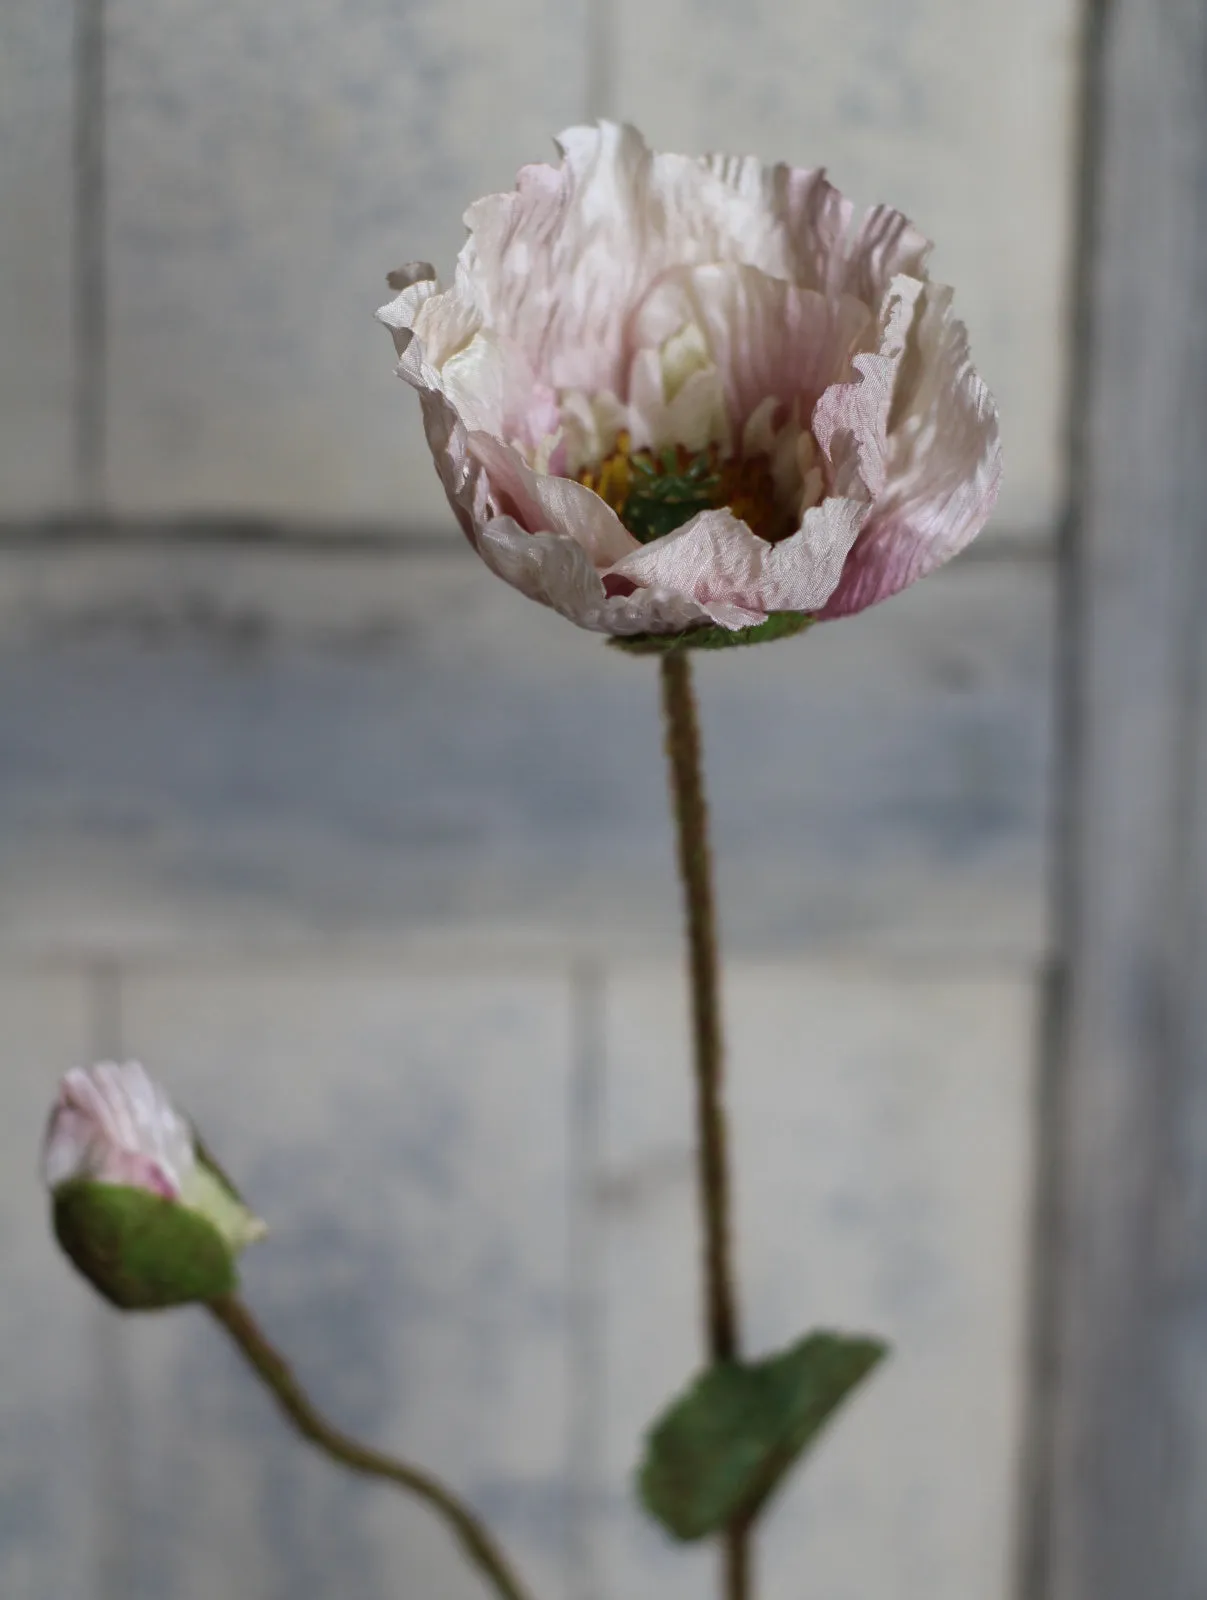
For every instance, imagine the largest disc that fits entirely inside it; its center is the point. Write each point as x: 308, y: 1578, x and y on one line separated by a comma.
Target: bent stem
x: 274, y: 1372
x: 691, y: 822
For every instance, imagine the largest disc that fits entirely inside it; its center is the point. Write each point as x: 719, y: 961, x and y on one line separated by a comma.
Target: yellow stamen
x: 681, y: 484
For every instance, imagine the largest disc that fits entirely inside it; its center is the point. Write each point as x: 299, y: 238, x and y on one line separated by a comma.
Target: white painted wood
x: 267, y: 167
x: 36, y: 372
x: 1121, y: 1404
x: 212, y: 744
x: 51, y: 1540
x: 882, y: 1169
x: 959, y: 112
x: 404, y: 1131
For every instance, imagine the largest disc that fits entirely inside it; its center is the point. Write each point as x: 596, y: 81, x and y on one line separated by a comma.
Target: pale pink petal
x: 851, y: 420
x: 694, y: 415
x: 880, y: 246
x: 542, y: 503
x: 801, y: 218
x: 736, y: 576
x: 941, y: 464
x: 492, y: 388
x: 415, y: 283
x: 554, y: 569
x: 113, y: 1124
x: 559, y: 264
x: 815, y: 317
x: 463, y: 480
x: 767, y: 337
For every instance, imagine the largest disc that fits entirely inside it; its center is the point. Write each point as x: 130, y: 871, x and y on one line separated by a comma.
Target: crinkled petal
x: 581, y: 307
x: 113, y: 1124
x: 487, y: 378
x: 560, y: 263
x: 936, y: 467
x: 736, y: 577
x: 541, y: 503
x: 463, y: 480
x: 415, y: 283
x: 768, y: 338
x: 851, y: 420
x: 693, y: 414
x: 880, y: 246
x: 554, y: 569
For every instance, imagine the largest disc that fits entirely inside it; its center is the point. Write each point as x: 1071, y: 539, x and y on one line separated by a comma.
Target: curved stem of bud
x: 275, y: 1373
x: 695, y: 868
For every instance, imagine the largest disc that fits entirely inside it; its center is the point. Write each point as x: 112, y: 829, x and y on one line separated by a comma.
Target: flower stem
x: 691, y: 822
x: 274, y: 1372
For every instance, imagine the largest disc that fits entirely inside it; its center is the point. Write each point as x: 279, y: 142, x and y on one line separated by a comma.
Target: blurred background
x: 368, y: 858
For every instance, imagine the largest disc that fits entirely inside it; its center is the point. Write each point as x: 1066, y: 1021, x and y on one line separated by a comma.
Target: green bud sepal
x: 140, y: 1251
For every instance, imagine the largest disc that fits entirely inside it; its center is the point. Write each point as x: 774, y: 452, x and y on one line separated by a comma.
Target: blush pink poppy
x: 664, y: 393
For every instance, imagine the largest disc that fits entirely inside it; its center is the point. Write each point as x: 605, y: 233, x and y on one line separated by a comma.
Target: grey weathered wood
x: 36, y: 254
x: 267, y: 167
x: 212, y: 744
x: 52, y: 1541
x: 1123, y: 1421
x: 881, y: 1159
x: 960, y: 112
x: 404, y: 1131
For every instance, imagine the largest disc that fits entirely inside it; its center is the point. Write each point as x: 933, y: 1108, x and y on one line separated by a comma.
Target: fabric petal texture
x: 113, y: 1124
x: 667, y: 394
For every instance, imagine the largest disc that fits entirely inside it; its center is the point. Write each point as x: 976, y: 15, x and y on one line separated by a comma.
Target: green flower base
x: 779, y: 625
x: 141, y: 1252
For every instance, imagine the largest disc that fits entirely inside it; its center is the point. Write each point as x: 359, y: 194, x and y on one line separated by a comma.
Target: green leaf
x: 140, y: 1251
x: 779, y: 625
x: 718, y: 1453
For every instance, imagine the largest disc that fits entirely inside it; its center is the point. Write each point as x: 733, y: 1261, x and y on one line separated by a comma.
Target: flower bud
x: 137, y: 1203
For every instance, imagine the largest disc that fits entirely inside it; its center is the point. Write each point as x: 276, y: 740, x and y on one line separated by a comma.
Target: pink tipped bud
x: 138, y: 1206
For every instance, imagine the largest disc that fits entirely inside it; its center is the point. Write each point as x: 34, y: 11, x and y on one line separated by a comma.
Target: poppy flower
x: 679, y: 396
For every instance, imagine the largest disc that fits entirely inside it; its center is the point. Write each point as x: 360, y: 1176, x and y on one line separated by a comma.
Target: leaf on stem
x: 719, y: 1452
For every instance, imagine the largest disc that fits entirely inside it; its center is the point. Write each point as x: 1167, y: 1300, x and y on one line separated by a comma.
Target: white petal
x: 730, y: 572
x: 416, y: 282
x: 882, y: 245
x: 113, y: 1124
x: 766, y: 337
x: 555, y: 570
x: 549, y: 504
x: 695, y: 415
x: 559, y: 264
x: 579, y: 305
x: 942, y: 463
x: 590, y: 425
x: 851, y: 420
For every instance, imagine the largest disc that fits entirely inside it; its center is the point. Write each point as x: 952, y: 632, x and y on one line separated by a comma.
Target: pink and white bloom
x: 666, y: 392
x: 112, y: 1124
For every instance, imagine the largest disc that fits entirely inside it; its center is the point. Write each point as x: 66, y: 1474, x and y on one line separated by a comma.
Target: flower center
x: 653, y: 494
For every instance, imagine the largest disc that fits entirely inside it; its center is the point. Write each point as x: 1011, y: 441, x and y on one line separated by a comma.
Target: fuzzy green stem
x: 274, y: 1372
x: 691, y: 823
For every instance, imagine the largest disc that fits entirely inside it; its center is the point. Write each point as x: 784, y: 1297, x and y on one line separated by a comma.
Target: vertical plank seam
x: 109, y: 1464
x: 1038, y: 1485
x: 585, y: 1278
x: 89, y: 288
x: 1179, y: 1203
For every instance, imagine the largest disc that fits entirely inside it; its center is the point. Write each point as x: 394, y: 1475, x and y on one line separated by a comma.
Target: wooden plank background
x: 370, y: 859
x: 309, y: 950
x: 1122, y: 1421
x: 260, y: 171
